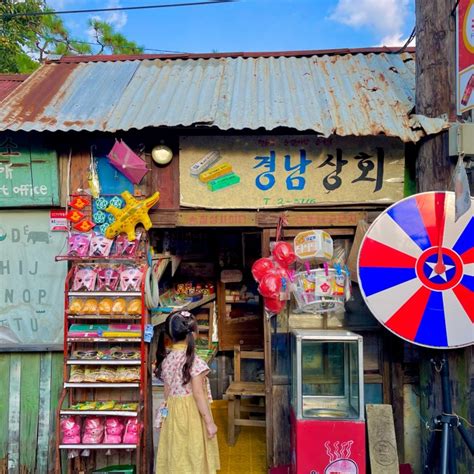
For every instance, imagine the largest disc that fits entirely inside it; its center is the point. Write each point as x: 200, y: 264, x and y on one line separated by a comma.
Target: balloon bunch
x: 273, y: 276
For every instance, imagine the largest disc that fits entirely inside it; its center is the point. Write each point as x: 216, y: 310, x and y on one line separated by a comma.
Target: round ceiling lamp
x: 162, y: 154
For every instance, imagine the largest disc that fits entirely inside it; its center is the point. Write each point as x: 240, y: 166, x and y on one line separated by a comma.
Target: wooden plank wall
x: 30, y: 385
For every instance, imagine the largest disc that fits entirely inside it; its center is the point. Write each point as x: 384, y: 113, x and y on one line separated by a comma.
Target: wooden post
x: 435, y: 88
x: 435, y: 95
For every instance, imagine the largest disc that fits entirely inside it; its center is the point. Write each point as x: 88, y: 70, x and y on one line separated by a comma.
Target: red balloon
x: 282, y: 272
x: 270, y: 284
x: 283, y: 254
x: 274, y: 305
x: 261, y: 267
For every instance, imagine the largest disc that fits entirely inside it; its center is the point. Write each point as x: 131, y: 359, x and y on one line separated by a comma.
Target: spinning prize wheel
x: 416, y: 271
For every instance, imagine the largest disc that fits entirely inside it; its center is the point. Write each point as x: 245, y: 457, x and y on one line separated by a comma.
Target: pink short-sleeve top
x: 172, y: 373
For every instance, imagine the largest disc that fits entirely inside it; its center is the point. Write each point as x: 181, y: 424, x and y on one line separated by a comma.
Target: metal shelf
x: 104, y: 339
x: 103, y: 362
x: 97, y: 446
x: 99, y: 412
x: 161, y: 318
x: 101, y: 385
x: 89, y: 294
x: 104, y: 316
x: 72, y: 258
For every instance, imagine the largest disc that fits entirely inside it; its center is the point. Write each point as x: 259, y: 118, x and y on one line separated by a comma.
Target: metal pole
x: 444, y: 449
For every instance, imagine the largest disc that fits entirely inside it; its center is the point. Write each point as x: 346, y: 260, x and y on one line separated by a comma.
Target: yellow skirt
x: 184, y: 447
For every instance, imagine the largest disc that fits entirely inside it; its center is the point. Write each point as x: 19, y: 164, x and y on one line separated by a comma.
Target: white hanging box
x: 314, y: 245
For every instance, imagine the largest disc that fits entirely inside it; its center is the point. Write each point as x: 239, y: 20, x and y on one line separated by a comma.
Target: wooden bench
x: 238, y: 389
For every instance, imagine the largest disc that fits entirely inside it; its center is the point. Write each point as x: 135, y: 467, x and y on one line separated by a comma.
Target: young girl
x: 188, y: 443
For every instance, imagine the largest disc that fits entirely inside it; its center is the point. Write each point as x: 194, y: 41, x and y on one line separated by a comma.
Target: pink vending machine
x: 327, y: 403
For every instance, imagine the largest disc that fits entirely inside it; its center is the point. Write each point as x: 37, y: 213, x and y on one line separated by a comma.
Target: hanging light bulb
x: 162, y: 154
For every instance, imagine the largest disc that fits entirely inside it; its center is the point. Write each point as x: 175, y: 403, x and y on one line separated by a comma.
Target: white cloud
x: 385, y: 17
x: 396, y: 40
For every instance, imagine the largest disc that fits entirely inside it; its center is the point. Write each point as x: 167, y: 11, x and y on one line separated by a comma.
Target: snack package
x: 134, y: 306
x: 91, y: 374
x: 127, y: 374
x: 75, y: 305
x: 128, y: 406
x: 90, y: 306
x: 323, y: 285
x: 124, y: 355
x: 125, y: 248
x: 108, y: 278
x: 87, y: 355
x: 106, y: 374
x: 77, y: 374
x: 71, y: 430
x: 83, y: 406
x: 132, y: 431
x: 105, y: 306
x: 131, y: 278
x: 104, y: 406
x: 338, y: 284
x: 113, y: 430
x: 84, y: 278
x: 100, y: 246
x: 93, y: 430
x: 119, y: 306
x: 78, y: 245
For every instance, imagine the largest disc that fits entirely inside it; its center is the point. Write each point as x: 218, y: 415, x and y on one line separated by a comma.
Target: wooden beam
x: 339, y: 222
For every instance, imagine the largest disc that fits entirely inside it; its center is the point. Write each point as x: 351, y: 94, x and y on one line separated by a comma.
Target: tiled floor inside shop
x: 249, y: 453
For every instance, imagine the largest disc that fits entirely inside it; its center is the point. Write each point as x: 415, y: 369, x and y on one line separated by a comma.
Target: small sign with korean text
x: 254, y: 172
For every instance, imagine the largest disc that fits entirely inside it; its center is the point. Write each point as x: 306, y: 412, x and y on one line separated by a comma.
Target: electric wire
x: 408, y: 41
x: 9, y: 16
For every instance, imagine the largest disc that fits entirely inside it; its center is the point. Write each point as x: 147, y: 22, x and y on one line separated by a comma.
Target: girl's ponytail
x: 160, y: 353
x: 189, y: 356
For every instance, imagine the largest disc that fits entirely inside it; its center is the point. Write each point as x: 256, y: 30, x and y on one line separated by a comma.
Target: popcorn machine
x: 327, y: 403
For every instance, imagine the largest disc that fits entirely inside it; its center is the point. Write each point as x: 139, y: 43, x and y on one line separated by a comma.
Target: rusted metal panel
x: 352, y: 93
x: 9, y: 82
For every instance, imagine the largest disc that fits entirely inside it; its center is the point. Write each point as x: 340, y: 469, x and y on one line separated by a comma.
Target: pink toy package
x: 131, y: 278
x: 71, y: 430
x: 93, y: 430
x: 84, y: 278
x: 108, y: 278
x: 113, y: 430
x: 100, y: 246
x: 125, y: 247
x: 78, y: 245
x: 132, y: 431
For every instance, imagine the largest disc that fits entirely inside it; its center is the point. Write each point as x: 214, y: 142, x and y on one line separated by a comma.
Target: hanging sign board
x: 31, y: 282
x: 58, y: 220
x: 28, y: 174
x: 465, y: 56
x: 254, y: 172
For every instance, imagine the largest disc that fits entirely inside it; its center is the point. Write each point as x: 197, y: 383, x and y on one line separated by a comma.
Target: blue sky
x: 254, y: 25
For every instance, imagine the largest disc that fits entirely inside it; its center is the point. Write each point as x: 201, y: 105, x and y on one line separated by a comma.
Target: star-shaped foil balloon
x: 134, y: 212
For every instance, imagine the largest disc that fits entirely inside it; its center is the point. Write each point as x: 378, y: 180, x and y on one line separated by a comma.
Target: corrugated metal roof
x: 348, y: 94
x: 9, y: 82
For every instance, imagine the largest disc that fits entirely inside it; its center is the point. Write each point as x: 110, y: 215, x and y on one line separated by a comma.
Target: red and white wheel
x: 416, y: 271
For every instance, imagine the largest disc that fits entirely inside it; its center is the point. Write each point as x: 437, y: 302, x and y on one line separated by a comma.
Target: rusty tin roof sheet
x: 9, y: 82
x: 361, y: 94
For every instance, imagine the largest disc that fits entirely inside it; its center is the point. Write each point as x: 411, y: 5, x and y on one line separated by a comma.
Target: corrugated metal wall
x: 30, y: 385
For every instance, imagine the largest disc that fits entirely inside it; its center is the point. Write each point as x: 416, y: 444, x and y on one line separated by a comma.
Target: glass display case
x: 327, y: 402
x: 327, y: 374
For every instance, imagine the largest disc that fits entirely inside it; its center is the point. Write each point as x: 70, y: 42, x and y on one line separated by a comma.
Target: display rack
x: 122, y: 393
